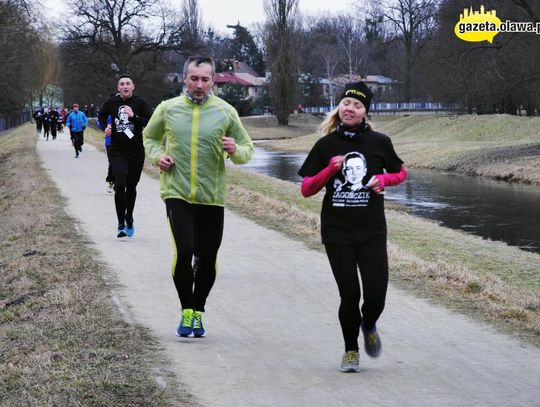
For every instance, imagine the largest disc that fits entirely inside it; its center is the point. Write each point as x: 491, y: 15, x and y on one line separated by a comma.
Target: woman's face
x: 351, y: 111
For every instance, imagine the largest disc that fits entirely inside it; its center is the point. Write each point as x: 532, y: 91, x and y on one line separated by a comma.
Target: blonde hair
x: 329, y: 124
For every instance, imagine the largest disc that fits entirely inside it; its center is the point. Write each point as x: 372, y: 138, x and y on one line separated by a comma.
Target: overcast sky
x: 219, y: 13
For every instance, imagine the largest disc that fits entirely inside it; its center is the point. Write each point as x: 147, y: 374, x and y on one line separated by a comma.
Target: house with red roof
x: 243, y: 75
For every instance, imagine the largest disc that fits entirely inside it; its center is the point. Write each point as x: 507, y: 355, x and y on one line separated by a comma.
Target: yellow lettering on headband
x: 355, y: 92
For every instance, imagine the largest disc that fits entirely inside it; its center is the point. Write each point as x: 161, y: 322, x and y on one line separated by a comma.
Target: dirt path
x: 273, y: 335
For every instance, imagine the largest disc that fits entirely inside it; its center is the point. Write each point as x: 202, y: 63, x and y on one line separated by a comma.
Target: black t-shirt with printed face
x: 126, y: 131
x: 352, y: 213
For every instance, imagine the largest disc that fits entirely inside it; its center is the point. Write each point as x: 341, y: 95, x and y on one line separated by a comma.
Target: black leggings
x: 372, y: 260
x: 127, y: 167
x: 77, y: 139
x: 110, y: 173
x: 196, y: 229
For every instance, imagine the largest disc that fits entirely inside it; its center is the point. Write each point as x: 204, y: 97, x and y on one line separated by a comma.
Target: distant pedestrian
x: 350, y: 161
x: 129, y: 114
x: 61, y: 119
x: 53, y: 120
x: 46, y: 119
x: 38, y: 117
x: 190, y: 137
x: 77, y: 122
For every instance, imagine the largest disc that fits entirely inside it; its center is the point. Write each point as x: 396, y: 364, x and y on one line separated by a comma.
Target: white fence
x: 397, y: 107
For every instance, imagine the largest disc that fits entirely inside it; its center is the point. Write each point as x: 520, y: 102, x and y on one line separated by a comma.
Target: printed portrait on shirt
x: 122, y: 121
x: 351, y: 191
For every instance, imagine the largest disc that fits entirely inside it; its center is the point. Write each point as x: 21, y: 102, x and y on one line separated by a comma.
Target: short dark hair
x: 125, y: 75
x: 198, y: 60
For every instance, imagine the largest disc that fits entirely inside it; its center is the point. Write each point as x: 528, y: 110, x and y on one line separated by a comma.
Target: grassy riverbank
x: 63, y: 341
x: 490, y: 281
x: 498, y: 146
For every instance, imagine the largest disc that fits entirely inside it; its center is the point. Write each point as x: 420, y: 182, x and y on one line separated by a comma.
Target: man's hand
x: 108, y: 130
x: 229, y: 145
x: 166, y: 162
x: 129, y: 111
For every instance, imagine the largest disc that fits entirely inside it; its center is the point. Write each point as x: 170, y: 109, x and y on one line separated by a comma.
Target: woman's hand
x: 336, y: 162
x: 374, y: 185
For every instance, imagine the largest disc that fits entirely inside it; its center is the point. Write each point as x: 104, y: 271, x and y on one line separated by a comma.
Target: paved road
x: 273, y: 336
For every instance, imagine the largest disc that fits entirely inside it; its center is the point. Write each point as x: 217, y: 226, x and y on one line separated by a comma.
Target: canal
x: 492, y: 209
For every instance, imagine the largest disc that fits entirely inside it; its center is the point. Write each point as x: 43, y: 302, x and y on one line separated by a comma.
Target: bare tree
x: 121, y: 29
x: 324, y: 47
x: 413, y: 21
x: 190, y: 39
x: 281, y: 45
x: 350, y: 36
x: 28, y: 63
x: 532, y: 8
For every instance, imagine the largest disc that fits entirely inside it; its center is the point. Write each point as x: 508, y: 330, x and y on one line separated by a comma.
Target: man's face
x: 125, y: 88
x: 355, y: 170
x: 124, y: 118
x: 199, y: 80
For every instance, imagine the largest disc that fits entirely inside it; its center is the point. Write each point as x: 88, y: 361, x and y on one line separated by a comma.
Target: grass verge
x: 63, y: 342
x: 489, y: 281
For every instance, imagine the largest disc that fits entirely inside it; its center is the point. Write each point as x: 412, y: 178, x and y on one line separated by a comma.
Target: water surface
x: 492, y: 209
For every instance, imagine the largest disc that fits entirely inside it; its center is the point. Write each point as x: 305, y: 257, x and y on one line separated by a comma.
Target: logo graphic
x: 476, y: 26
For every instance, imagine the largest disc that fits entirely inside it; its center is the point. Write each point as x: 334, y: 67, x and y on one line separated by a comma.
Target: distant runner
x: 128, y: 115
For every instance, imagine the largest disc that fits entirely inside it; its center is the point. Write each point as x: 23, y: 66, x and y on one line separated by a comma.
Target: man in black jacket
x: 129, y: 115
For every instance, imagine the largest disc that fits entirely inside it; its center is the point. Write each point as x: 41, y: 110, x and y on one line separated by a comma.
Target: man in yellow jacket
x: 190, y: 137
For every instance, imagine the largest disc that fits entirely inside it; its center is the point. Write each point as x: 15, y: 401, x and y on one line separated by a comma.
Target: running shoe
x: 185, y: 328
x: 110, y: 188
x: 130, y: 228
x: 372, y: 342
x: 350, y: 362
x: 198, y: 328
x: 121, y: 231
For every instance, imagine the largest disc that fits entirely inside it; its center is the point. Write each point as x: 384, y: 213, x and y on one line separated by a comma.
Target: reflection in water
x: 492, y: 209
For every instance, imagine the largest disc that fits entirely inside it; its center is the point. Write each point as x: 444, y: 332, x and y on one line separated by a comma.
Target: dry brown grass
x: 489, y: 281
x: 266, y: 128
x: 63, y: 342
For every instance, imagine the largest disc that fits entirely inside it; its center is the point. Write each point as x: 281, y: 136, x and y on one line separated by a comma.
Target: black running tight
x: 370, y: 258
x: 127, y: 168
x: 196, y: 229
